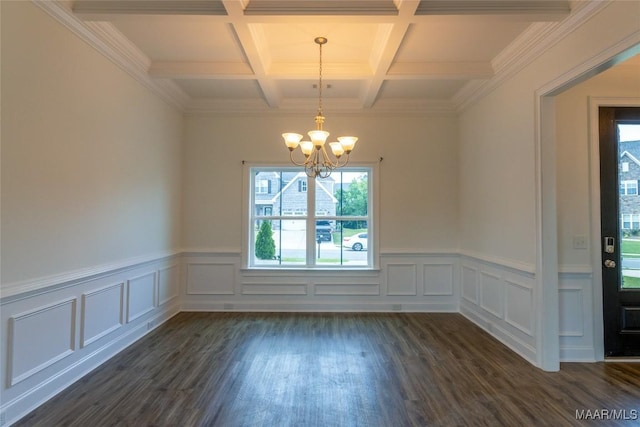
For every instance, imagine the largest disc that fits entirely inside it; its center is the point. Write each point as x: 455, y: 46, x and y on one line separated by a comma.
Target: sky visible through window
x: 629, y: 132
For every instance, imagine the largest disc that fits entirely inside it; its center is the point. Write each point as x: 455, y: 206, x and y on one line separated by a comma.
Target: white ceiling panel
x: 421, y: 89
x: 330, y: 89
x: 261, y: 53
x: 182, y: 38
x: 225, y: 89
x: 454, y: 38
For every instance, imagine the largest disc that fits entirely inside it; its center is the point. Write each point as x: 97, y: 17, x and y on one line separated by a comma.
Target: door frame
x: 546, y: 304
x: 596, y: 235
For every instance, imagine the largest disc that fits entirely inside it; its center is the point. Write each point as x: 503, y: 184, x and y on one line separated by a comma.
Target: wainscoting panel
x: 141, y: 295
x: 576, y: 317
x: 32, y: 350
x: 102, y: 313
x: 491, y: 293
x: 59, y: 330
x: 405, y: 282
x: 437, y: 279
x: 361, y: 289
x: 500, y: 298
x: 519, y: 306
x: 168, y: 283
x: 402, y: 279
x: 211, y: 278
x: 470, y: 284
x: 262, y: 288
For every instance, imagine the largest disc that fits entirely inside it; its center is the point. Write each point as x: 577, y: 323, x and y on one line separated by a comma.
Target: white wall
x: 417, y: 201
x: 497, y: 152
x: 91, y: 203
x: 90, y: 159
x: 499, y: 174
x: 573, y: 172
x: 579, y: 292
x: 418, y: 191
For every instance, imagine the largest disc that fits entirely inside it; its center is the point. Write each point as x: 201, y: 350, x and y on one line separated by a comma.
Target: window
x: 625, y: 166
x: 630, y: 221
x: 263, y: 186
x: 312, y: 223
x: 628, y: 187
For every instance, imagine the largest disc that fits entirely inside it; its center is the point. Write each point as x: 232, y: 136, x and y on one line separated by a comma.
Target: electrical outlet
x: 396, y: 307
x: 228, y: 306
x: 579, y: 242
x: 149, y: 325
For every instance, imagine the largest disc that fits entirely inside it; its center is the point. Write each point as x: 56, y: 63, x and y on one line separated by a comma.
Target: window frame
x: 249, y: 217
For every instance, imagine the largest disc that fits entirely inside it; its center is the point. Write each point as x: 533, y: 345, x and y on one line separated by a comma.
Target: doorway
x: 619, y: 141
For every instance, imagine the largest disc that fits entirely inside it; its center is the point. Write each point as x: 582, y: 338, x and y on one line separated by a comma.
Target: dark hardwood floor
x: 334, y: 369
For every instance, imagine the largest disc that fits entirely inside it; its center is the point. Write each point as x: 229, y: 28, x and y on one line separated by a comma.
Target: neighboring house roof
x: 293, y: 178
x: 630, y: 156
x: 630, y: 149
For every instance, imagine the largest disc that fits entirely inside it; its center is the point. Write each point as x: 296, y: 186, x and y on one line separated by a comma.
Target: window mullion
x: 311, y: 225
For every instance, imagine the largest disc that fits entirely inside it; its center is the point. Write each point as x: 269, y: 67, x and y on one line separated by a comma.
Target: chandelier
x: 317, y: 162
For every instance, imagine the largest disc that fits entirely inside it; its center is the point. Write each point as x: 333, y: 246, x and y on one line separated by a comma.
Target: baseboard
x: 377, y: 307
x: 500, y: 333
x: 577, y: 354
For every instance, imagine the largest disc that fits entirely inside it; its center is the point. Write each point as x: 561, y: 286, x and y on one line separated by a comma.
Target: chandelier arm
x: 344, y: 163
x: 326, y: 160
x: 294, y: 162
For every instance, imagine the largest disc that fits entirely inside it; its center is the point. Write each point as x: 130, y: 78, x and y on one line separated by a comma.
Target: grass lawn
x: 631, y: 282
x: 630, y: 248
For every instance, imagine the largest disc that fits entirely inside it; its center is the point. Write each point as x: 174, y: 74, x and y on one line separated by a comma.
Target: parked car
x: 323, y: 231
x: 357, y: 242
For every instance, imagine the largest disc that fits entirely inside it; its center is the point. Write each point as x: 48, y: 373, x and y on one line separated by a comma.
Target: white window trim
x: 373, y: 253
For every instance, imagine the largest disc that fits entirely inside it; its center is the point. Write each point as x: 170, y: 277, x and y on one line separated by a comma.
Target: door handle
x: 609, y: 263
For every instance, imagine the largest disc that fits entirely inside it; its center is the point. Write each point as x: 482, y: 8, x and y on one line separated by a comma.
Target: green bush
x: 265, y: 245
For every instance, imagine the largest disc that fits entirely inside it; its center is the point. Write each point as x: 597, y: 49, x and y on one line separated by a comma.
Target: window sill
x: 314, y: 271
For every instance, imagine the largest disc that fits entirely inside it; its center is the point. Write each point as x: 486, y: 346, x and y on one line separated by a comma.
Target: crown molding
x: 532, y: 43
x: 107, y: 40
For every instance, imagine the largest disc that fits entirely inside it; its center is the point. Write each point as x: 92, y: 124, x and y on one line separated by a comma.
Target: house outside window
x: 263, y: 186
x: 629, y: 187
x: 314, y: 223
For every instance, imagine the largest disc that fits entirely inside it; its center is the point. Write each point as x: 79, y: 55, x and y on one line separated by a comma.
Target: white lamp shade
x: 318, y: 137
x: 306, y: 147
x: 336, y: 148
x: 348, y: 142
x: 292, y: 140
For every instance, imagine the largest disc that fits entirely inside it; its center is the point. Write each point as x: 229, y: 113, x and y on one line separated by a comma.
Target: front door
x: 620, y: 213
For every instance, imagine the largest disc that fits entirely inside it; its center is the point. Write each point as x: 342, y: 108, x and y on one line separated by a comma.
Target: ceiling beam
x: 321, y: 7
x: 253, y: 44
x: 494, y: 7
x: 93, y: 9
x: 390, y: 40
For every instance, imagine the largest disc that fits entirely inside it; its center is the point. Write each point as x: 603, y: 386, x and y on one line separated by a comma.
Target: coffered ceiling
x: 260, y: 54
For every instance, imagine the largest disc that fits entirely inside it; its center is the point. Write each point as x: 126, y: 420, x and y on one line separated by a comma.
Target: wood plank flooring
x: 334, y: 369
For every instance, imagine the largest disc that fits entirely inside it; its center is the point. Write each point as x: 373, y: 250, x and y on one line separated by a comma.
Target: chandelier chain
x: 320, y: 83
